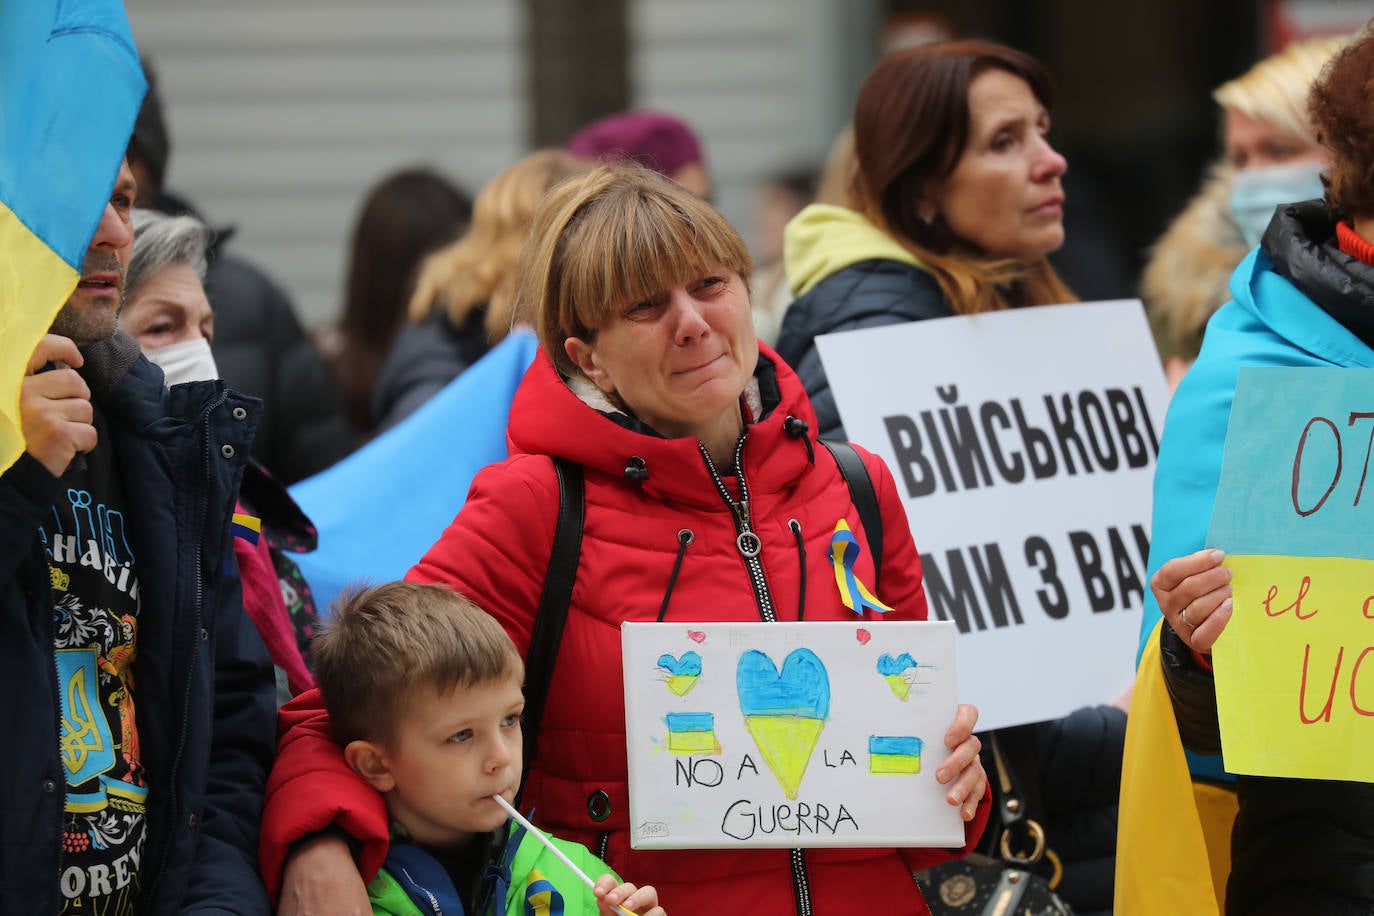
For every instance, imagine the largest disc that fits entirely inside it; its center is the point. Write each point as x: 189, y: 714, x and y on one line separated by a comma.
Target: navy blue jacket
x: 203, y: 681
x: 868, y: 294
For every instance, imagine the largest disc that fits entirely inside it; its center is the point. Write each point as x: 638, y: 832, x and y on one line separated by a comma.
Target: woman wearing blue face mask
x: 1270, y: 157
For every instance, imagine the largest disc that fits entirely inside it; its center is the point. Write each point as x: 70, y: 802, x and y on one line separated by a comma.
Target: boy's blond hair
x: 385, y: 644
x: 619, y: 234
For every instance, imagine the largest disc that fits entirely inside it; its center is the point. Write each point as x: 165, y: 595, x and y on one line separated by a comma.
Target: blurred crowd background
x: 283, y: 114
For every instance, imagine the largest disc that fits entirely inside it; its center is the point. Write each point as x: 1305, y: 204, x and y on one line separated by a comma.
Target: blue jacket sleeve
x: 1189, y: 470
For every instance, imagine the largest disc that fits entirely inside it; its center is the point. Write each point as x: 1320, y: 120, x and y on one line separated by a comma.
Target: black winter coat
x: 204, y: 684
x: 868, y: 294
x: 427, y: 356
x: 262, y: 350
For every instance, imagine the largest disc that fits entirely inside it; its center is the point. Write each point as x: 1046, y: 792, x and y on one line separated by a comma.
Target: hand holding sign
x: 964, y: 768
x: 1194, y: 594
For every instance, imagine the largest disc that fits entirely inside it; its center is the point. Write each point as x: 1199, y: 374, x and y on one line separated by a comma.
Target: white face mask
x: 189, y: 361
x: 1256, y: 193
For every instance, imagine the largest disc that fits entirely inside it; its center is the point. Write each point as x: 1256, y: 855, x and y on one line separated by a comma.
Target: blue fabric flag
x: 380, y: 509
x: 70, y: 88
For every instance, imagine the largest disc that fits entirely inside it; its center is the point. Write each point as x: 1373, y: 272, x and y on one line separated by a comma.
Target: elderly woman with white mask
x: 165, y: 307
x: 167, y: 312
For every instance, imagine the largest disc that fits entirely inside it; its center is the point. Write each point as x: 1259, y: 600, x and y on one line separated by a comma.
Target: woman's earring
x: 929, y: 218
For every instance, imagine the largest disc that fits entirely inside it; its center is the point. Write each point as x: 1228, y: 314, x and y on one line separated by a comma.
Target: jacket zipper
x: 196, y: 644
x: 746, y: 539
x: 751, y: 549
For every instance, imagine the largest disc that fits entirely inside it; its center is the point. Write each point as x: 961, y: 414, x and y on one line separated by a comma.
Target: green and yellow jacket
x: 521, y: 878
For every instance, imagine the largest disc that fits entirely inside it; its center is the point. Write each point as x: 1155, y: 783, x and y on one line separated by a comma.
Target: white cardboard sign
x: 789, y: 734
x: 1023, y: 443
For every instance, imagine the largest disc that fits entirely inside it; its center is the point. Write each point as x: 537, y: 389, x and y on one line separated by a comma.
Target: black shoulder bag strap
x: 553, y: 600
x: 865, y: 499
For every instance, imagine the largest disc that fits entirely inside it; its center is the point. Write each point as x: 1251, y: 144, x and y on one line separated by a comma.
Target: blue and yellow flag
x: 1173, y: 835
x: 70, y: 88
x: 380, y: 509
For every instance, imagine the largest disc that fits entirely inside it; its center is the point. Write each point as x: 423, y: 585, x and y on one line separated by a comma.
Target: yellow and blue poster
x: 1295, y: 665
x: 70, y: 88
x: 789, y: 734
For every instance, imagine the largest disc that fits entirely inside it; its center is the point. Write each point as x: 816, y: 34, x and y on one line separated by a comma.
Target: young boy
x: 424, y: 693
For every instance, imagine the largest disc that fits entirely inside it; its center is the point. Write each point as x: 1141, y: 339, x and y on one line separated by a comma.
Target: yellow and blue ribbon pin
x: 844, y: 551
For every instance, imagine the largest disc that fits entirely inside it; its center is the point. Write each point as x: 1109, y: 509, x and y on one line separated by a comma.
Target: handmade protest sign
x: 789, y: 734
x: 1294, y: 673
x: 1023, y: 443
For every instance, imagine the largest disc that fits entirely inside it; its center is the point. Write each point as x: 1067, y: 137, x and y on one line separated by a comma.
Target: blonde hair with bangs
x: 480, y: 268
x: 384, y: 644
x: 621, y: 234
x: 1275, y: 89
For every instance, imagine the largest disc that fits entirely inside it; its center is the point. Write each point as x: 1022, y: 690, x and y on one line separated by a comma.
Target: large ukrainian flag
x: 70, y: 88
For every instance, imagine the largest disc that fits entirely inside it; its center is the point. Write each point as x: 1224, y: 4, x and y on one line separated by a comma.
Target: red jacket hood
x: 548, y: 418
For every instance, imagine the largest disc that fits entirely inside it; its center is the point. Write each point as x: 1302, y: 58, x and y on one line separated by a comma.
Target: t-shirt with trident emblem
x: 95, y: 628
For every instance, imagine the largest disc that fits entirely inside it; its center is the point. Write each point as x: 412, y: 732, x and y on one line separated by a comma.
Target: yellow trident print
x: 81, y: 732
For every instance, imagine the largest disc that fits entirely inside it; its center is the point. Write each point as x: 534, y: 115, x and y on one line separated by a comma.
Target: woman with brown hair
x: 404, y: 218
x: 464, y: 299
x: 956, y: 203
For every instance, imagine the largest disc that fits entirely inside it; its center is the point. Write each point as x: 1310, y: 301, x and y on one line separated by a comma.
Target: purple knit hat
x: 651, y: 138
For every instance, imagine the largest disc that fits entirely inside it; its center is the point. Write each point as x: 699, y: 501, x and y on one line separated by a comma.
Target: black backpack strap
x: 553, y: 600
x: 865, y: 499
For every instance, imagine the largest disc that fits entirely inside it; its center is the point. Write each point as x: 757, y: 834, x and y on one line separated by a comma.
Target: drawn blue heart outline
x: 689, y: 664
x: 801, y: 689
x: 888, y: 666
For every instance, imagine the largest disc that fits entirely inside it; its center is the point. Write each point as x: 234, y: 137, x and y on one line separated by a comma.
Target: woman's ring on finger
x: 1183, y: 616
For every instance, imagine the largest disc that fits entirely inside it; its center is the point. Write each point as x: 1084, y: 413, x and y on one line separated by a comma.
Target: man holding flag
x: 140, y: 699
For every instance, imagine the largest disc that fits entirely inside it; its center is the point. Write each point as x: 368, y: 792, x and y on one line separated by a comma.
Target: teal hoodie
x: 1269, y: 322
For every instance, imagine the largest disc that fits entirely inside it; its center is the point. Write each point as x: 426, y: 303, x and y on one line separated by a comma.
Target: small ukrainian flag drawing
x: 894, y: 756
x: 683, y: 672
x: 692, y: 733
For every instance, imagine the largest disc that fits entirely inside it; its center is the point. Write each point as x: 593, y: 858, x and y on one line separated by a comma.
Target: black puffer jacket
x: 1298, y: 845
x: 262, y: 350
x: 427, y: 356
x: 868, y: 294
